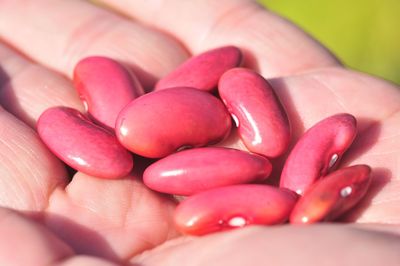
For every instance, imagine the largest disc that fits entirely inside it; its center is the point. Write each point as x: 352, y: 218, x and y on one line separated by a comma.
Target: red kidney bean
x: 191, y: 171
x: 318, y: 151
x: 105, y: 87
x: 262, y: 122
x: 332, y: 195
x: 232, y: 207
x: 83, y: 145
x: 204, y: 70
x: 161, y: 122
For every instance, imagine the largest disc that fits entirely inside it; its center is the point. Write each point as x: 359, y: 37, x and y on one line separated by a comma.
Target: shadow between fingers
x: 10, y: 101
x: 83, y: 240
x: 4, y: 78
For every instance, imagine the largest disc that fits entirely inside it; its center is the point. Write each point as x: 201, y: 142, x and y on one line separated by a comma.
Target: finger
x: 281, y: 245
x: 24, y: 242
x: 85, y: 261
x: 112, y: 219
x: 272, y: 44
x: 29, y: 172
x: 29, y: 89
x: 379, y: 227
x: 62, y: 32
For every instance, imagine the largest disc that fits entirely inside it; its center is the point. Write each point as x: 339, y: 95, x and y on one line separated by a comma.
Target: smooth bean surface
x: 83, y: 145
x: 162, y: 122
x: 318, y: 151
x: 234, y: 207
x: 262, y: 122
x: 105, y: 87
x: 194, y: 170
x: 332, y: 195
x: 204, y: 70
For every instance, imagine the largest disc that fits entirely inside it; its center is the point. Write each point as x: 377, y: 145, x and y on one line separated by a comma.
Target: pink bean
x: 332, y: 195
x: 262, y: 122
x: 83, y: 145
x: 318, y: 151
x: 204, y: 70
x: 232, y: 207
x: 191, y: 171
x: 105, y: 87
x: 161, y: 122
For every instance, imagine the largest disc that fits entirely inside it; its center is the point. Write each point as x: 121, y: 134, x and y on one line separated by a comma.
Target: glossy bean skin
x: 195, y: 170
x: 83, y: 145
x: 105, y: 87
x: 204, y: 70
x: 318, y: 151
x: 332, y: 195
x: 263, y: 124
x: 161, y: 122
x: 231, y: 207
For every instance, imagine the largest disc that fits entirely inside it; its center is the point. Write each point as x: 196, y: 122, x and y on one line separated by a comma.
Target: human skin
x: 91, y: 221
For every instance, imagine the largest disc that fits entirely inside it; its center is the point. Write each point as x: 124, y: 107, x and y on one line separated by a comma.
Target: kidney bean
x: 233, y: 207
x: 262, y: 122
x: 332, y: 195
x: 161, y: 122
x: 318, y: 151
x: 105, y: 87
x: 191, y: 171
x: 204, y: 70
x: 83, y: 145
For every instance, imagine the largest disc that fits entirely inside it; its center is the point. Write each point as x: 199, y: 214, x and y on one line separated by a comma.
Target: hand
x: 90, y: 221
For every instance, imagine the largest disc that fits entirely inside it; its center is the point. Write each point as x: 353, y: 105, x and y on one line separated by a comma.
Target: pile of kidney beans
x: 183, y: 122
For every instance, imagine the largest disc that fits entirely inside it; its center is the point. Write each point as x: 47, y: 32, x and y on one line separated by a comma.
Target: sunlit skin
x: 91, y: 221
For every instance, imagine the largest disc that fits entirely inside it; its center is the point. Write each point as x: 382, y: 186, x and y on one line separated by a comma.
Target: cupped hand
x: 89, y: 221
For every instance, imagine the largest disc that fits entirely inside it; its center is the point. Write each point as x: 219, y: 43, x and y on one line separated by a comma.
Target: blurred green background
x: 364, y: 34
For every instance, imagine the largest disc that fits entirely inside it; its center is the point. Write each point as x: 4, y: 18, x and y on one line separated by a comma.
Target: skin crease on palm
x: 91, y: 221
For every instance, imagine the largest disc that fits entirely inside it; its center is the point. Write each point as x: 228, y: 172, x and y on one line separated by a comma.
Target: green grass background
x: 364, y: 34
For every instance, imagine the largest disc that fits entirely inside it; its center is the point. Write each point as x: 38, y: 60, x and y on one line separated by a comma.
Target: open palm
x: 90, y: 221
